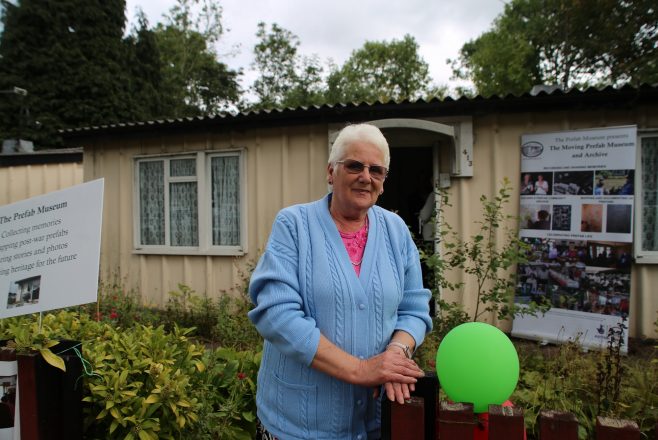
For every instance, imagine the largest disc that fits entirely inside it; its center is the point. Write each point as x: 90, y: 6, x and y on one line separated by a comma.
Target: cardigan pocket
x: 296, y: 408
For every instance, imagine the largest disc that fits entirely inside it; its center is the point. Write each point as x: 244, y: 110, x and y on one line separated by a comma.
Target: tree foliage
x: 286, y: 78
x: 80, y: 70
x: 381, y: 71
x: 67, y: 55
x: 564, y: 43
x: 194, y: 81
x: 378, y: 71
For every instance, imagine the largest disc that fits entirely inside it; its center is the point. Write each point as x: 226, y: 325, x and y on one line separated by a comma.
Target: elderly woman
x: 340, y: 302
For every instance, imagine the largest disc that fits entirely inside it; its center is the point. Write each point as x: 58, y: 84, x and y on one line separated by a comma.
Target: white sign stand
x: 50, y: 250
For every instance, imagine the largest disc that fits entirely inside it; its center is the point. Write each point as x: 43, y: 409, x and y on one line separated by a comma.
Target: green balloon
x: 477, y: 363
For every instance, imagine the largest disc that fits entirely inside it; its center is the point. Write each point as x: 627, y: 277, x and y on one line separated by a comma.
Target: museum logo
x: 532, y: 149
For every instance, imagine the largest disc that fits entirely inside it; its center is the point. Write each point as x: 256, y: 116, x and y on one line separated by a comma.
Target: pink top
x: 355, y: 244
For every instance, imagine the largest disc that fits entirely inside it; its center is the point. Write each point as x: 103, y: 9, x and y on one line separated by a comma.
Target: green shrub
x: 144, y: 383
x: 143, y: 386
x: 188, y: 309
x: 564, y: 378
x: 227, y: 389
x: 121, y: 307
x: 233, y: 328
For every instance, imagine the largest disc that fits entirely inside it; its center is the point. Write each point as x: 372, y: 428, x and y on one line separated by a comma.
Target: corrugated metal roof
x: 538, y: 97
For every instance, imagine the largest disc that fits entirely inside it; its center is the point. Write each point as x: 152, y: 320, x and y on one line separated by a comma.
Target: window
x: 646, y: 181
x: 190, y: 204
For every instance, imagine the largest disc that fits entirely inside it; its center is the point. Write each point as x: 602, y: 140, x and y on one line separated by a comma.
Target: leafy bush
x: 565, y: 378
x: 120, y: 306
x: 188, y: 309
x: 228, y: 391
x: 233, y: 328
x: 145, y: 383
x: 143, y: 386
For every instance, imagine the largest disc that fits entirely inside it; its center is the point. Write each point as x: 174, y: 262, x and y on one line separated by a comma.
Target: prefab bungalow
x: 192, y: 200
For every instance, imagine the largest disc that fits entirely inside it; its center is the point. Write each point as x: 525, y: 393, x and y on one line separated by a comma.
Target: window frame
x: 641, y: 256
x: 204, y: 200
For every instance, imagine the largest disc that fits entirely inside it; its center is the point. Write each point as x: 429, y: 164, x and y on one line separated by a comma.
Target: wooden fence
x: 424, y: 417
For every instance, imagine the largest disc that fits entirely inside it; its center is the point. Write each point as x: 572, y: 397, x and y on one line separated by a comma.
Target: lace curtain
x: 183, y: 214
x: 151, y: 202
x: 225, y: 201
x: 649, y: 190
x: 183, y: 204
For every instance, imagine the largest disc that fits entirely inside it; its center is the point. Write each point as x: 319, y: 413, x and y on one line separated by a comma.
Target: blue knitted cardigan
x: 304, y: 285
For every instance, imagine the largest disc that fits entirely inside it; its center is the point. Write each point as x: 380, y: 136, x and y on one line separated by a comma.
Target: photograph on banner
x: 50, y: 250
x: 575, y: 183
x: 536, y: 184
x: 579, y: 229
x: 584, y: 276
x: 614, y: 183
x: 7, y: 402
x: 24, y: 291
x: 535, y: 216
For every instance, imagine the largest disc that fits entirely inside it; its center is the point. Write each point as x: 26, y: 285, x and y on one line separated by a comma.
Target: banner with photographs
x: 576, y: 214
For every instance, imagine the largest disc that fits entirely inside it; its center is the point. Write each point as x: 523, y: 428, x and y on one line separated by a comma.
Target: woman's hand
x: 391, y: 368
x: 394, y: 370
x: 395, y: 391
x: 398, y: 392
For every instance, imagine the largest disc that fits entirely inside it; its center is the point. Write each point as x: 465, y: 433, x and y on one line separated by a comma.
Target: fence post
x: 557, y: 425
x: 456, y: 421
x: 505, y: 423
x: 415, y: 419
x: 428, y: 388
x: 616, y: 429
x: 408, y: 420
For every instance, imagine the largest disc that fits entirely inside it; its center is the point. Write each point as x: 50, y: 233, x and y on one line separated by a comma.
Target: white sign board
x: 50, y: 250
x: 576, y: 214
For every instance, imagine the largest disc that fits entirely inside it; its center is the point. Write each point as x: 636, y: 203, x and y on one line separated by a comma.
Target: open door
x: 409, y: 183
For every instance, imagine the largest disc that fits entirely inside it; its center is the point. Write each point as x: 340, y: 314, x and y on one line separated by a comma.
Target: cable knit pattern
x: 378, y: 304
x: 389, y: 252
x: 304, y: 285
x: 309, y: 265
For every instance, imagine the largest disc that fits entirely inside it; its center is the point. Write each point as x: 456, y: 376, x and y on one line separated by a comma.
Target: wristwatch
x: 405, y: 348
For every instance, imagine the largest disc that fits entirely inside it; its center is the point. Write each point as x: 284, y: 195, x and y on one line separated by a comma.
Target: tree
x: 194, y: 81
x: 498, y: 64
x: 565, y: 43
x: 381, y: 71
x: 67, y: 55
x: 144, y: 63
x: 286, y: 78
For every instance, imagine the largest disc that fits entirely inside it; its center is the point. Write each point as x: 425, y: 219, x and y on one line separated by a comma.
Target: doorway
x: 408, y: 184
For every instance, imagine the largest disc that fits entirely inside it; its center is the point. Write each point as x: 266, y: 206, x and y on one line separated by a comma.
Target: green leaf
x: 144, y: 435
x: 115, y: 413
x: 53, y: 359
x: 200, y: 366
x: 153, y: 398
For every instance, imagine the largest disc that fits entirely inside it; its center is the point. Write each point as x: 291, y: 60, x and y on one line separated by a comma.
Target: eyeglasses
x: 378, y: 172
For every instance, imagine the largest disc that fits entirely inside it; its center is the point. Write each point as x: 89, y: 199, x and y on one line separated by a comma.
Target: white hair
x: 359, y: 133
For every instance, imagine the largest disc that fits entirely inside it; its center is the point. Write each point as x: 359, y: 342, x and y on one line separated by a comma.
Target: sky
x: 334, y: 28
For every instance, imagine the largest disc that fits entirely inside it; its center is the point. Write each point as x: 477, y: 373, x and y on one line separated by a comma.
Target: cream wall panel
x: 25, y: 181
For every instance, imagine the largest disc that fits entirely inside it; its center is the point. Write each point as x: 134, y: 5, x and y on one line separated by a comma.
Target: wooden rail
x: 425, y: 418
